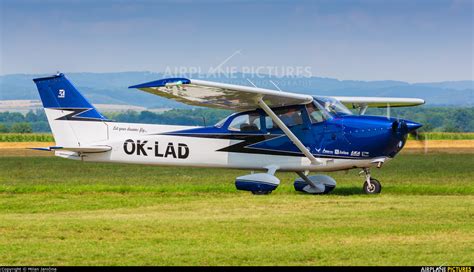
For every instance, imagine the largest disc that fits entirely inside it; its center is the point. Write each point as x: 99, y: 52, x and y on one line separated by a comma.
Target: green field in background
x: 26, y: 137
x: 44, y: 137
x: 444, y: 136
x: 59, y: 212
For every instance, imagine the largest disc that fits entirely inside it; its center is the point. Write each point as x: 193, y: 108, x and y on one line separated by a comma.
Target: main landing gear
x: 371, y: 185
x: 265, y: 183
x: 317, y: 184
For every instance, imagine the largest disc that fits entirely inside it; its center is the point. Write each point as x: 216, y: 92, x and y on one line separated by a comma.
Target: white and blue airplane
x: 270, y: 131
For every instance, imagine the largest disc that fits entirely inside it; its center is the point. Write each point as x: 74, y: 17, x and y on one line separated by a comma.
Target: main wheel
x: 261, y: 192
x: 374, y: 188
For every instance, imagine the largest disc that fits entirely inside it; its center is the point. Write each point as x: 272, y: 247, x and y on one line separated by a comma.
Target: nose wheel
x: 371, y: 185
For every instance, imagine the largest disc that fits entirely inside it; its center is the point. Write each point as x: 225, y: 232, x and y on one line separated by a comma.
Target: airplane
x: 270, y: 131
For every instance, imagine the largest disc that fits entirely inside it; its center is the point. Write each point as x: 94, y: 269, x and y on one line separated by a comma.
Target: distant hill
x: 112, y: 88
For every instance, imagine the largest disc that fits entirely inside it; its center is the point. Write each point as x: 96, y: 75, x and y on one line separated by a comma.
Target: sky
x: 414, y: 41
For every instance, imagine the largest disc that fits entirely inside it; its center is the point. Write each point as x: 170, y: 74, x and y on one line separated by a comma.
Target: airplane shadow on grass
x: 345, y: 191
x: 348, y: 191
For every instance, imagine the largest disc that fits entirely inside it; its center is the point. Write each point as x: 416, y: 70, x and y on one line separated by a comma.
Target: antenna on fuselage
x: 251, y: 83
x: 276, y: 86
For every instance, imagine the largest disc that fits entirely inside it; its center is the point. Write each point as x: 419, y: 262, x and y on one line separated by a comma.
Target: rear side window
x: 246, y: 123
x: 269, y: 123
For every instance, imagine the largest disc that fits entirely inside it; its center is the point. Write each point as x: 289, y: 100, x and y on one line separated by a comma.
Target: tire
x: 261, y: 192
x: 375, y: 189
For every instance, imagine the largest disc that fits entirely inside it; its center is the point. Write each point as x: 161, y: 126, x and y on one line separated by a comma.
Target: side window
x: 269, y: 123
x: 290, y: 116
x: 246, y: 122
x: 315, y: 114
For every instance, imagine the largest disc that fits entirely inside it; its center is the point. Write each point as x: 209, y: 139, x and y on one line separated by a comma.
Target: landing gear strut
x: 371, y: 185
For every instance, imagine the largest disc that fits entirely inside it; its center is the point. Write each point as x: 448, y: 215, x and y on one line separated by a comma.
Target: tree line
x: 437, y: 119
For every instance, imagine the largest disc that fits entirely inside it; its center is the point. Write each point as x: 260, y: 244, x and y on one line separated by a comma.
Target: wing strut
x: 288, y: 132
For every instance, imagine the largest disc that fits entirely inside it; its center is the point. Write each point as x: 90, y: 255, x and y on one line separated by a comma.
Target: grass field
x: 59, y: 212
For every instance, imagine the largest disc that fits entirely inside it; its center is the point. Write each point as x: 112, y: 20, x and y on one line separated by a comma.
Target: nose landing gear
x: 371, y: 185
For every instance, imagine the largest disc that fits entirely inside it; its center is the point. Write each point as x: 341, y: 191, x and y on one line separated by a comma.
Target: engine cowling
x: 260, y: 183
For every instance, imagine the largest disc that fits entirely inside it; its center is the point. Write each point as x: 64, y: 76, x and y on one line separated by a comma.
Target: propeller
x: 404, y: 127
x: 419, y: 136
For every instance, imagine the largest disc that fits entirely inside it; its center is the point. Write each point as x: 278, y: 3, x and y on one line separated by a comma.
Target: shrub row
x: 26, y: 137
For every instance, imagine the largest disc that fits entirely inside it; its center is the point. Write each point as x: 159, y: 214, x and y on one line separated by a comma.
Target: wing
x: 378, y: 102
x: 220, y: 95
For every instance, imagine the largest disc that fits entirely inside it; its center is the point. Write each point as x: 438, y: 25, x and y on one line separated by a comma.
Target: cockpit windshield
x: 332, y: 106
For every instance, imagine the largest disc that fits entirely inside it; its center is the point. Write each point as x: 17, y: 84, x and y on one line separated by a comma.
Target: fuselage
x: 340, y: 142
x: 273, y: 131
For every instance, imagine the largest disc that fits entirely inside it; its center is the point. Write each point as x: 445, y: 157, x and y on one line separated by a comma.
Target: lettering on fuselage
x: 143, y: 148
x: 340, y: 152
x: 325, y: 151
x: 355, y: 153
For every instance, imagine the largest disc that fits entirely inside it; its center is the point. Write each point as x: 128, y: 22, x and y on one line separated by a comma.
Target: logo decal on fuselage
x: 61, y: 93
x: 139, y: 147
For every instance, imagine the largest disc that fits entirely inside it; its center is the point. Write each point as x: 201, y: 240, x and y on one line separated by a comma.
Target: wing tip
x: 161, y: 82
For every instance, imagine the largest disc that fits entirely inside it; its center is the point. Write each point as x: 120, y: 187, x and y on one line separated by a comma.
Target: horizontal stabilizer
x: 82, y: 149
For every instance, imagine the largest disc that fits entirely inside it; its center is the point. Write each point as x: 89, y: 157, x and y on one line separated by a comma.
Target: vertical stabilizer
x: 74, y: 121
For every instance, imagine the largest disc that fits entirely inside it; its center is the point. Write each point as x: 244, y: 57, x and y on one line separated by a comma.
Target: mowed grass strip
x: 245, y: 230
x: 406, y: 174
x: 59, y: 212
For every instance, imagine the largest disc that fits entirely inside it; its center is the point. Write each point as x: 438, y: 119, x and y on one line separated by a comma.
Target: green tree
x: 451, y: 128
x: 21, y: 128
x: 31, y: 117
x: 3, y: 128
